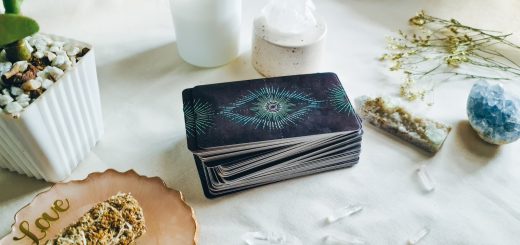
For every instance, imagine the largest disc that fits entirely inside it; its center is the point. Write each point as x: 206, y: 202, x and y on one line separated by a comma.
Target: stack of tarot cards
x: 250, y: 133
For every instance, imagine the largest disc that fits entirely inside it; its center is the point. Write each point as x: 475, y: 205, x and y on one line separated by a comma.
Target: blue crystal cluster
x: 494, y: 113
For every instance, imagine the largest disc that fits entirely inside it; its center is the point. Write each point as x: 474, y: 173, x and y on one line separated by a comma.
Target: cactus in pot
x: 14, y: 27
x: 50, y: 110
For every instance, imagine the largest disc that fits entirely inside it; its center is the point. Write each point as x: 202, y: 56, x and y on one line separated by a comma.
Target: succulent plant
x: 14, y: 27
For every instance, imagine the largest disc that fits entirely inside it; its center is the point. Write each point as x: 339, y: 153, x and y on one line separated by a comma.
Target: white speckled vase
x: 58, y: 130
x: 281, y: 54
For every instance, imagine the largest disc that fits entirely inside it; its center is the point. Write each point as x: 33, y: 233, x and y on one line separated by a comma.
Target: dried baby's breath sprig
x: 409, y: 91
x: 438, y: 50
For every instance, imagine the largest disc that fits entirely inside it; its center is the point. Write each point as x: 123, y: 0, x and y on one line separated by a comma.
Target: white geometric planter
x: 56, y: 132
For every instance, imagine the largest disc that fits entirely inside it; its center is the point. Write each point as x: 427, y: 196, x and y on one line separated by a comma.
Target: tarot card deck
x: 250, y: 133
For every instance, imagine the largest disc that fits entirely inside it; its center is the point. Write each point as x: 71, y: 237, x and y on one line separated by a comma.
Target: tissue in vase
x: 288, y: 39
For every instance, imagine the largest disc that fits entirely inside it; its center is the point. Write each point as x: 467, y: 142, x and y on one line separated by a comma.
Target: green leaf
x: 12, y: 6
x: 16, y: 27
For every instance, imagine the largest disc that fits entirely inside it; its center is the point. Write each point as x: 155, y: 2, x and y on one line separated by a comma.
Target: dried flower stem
x: 436, y: 50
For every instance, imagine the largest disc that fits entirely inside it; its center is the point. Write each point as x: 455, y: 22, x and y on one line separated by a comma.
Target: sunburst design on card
x: 270, y: 108
x: 338, y: 99
x: 199, y: 116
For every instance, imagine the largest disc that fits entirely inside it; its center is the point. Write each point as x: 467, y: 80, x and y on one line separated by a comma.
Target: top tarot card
x: 234, y: 113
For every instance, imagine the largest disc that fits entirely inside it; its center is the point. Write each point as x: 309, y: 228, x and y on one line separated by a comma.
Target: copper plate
x: 169, y: 220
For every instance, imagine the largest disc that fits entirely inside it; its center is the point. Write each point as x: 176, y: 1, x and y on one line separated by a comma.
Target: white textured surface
x: 477, y: 196
x: 58, y: 130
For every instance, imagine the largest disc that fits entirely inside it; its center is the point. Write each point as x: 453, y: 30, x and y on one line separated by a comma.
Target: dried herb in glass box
x: 437, y: 50
x: 389, y: 116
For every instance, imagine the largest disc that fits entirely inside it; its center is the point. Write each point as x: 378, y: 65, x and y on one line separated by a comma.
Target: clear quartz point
x: 266, y: 238
x: 344, y: 240
x: 419, y: 236
x: 424, y: 178
x: 343, y: 212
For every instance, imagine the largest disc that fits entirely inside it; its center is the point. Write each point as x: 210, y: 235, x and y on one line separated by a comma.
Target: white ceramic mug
x: 207, y: 31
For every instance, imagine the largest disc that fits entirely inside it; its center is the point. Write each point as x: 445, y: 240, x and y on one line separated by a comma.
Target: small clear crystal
x: 266, y: 238
x: 419, y: 236
x: 346, y: 239
x: 343, y: 212
x: 424, y: 178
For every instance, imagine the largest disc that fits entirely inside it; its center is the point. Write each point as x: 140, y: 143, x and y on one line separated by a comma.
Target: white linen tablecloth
x: 477, y: 200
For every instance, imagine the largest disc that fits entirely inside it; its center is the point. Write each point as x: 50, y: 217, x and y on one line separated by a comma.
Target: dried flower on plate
x: 118, y: 220
x: 436, y: 50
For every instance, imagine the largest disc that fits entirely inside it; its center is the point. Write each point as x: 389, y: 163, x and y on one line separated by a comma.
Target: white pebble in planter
x: 52, y: 135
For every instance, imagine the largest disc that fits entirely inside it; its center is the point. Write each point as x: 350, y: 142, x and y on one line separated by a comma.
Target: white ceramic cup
x: 207, y: 31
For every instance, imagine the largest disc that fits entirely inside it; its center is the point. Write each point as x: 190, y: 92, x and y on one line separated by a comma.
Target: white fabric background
x: 477, y: 200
